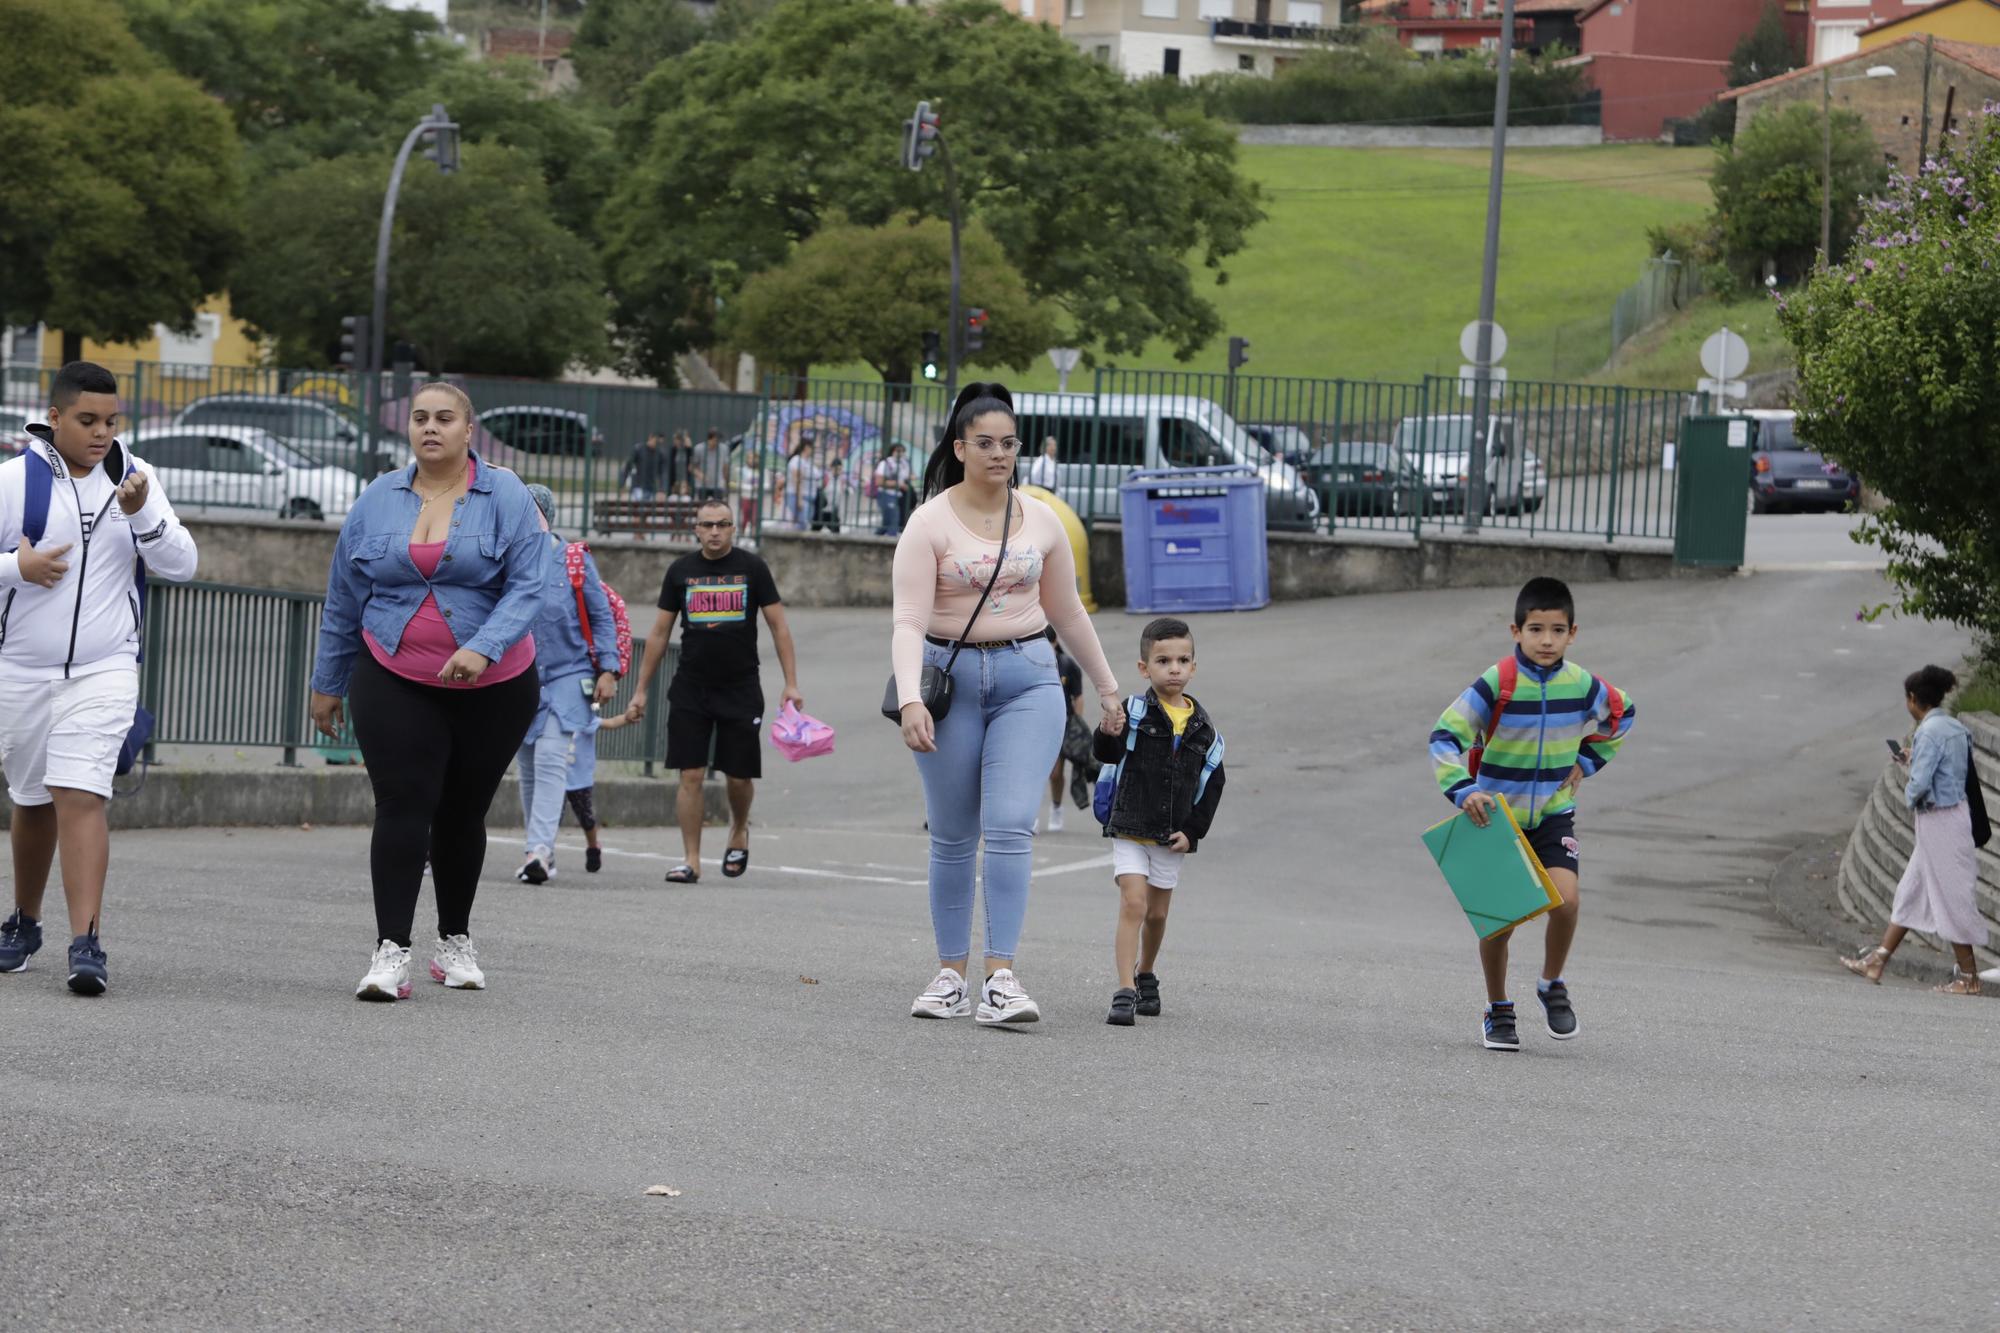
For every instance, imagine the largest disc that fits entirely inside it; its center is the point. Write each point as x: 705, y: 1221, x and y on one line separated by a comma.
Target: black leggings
x: 435, y: 757
x: 584, y: 801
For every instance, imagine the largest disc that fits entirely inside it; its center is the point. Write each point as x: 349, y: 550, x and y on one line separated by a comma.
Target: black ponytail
x: 975, y: 400
x: 1929, y: 686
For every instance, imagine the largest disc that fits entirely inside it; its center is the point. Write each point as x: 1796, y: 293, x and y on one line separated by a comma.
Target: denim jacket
x: 560, y: 650
x: 1155, y: 796
x: 489, y: 583
x: 1939, y: 758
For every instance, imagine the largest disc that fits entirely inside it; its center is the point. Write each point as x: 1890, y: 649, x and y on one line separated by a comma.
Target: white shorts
x: 64, y: 733
x: 1160, y: 866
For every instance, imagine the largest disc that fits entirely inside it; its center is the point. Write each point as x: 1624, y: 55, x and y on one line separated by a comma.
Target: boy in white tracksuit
x: 69, y: 652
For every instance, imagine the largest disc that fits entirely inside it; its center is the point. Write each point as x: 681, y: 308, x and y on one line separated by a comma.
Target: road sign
x: 1468, y: 342
x: 1064, y: 359
x: 1725, y: 355
x: 1468, y: 381
x: 1724, y: 388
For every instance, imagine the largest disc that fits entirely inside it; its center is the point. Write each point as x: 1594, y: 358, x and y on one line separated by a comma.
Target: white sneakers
x: 388, y: 974
x: 455, y: 963
x: 1056, y: 818
x: 945, y: 997
x: 1003, y: 1001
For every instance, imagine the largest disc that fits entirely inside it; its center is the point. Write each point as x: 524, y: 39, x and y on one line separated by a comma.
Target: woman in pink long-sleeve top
x: 984, y: 763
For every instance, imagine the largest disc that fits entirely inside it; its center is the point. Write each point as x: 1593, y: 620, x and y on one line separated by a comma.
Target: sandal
x: 683, y: 874
x: 1961, y: 983
x: 1868, y: 963
x: 735, y: 861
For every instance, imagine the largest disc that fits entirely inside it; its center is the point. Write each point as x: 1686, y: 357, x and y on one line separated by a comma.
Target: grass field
x: 1670, y: 353
x: 1368, y: 265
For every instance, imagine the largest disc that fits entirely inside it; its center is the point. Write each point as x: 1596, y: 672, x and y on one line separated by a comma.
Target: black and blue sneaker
x: 1501, y: 1033
x: 1556, y: 1007
x: 20, y: 939
x: 87, y: 974
x: 1149, y: 994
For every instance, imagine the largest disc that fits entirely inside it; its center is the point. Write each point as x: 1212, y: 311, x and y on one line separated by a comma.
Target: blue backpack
x: 34, y: 525
x: 1106, y: 791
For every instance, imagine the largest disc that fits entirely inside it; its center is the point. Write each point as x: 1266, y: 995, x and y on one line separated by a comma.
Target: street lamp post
x: 1826, y: 82
x: 443, y: 132
x: 923, y: 135
x: 1489, y: 279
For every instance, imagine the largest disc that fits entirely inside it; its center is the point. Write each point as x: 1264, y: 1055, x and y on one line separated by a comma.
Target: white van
x: 1127, y: 433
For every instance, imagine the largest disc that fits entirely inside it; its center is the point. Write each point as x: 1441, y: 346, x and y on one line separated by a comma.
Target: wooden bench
x: 670, y: 515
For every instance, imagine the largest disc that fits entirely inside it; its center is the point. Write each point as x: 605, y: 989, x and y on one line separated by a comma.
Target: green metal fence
x: 810, y: 461
x: 300, y: 444
x: 233, y: 666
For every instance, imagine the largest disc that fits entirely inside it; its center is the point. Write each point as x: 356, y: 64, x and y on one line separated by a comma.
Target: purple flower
x: 1947, y: 268
x: 1868, y: 264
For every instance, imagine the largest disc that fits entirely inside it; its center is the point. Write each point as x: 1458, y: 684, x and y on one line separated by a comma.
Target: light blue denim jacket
x: 489, y: 583
x: 1939, y: 758
x: 559, y: 647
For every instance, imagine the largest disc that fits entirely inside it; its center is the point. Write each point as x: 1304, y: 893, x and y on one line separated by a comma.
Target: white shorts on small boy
x: 1160, y: 865
x: 64, y: 733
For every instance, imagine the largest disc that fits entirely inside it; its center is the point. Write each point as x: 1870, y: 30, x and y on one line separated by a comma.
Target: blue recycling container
x: 1194, y: 540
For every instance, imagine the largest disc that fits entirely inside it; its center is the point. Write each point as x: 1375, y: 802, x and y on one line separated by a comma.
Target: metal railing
x: 848, y: 424
x: 233, y: 666
x: 297, y: 444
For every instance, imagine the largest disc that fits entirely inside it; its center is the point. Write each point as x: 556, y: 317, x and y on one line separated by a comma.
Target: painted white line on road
x: 899, y: 880
x: 1815, y: 567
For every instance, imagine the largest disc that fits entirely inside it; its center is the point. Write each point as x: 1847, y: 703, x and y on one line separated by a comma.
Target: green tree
x: 1766, y: 51
x: 482, y: 278
x: 620, y: 42
x: 1767, y: 188
x: 742, y: 150
x: 1899, y: 377
x: 870, y: 293
x: 119, y: 183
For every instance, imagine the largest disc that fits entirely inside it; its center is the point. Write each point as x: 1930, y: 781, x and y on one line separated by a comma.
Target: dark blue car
x: 1786, y: 474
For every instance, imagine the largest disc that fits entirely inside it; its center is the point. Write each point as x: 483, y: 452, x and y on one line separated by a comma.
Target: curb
x: 1804, y: 893
x: 288, y: 797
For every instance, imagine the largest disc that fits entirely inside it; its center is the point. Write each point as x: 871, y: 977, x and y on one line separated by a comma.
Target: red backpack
x: 1509, y: 669
x: 573, y: 559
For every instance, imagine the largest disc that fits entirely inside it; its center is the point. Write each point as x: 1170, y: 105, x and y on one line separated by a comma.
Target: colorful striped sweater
x: 1557, y: 718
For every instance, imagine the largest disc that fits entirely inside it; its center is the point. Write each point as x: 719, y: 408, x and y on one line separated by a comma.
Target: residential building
x: 1433, y: 27
x: 548, y: 49
x: 1656, y: 61
x: 1554, y: 23
x: 1837, y: 25
x: 1904, y: 110
x: 1975, y: 21
x: 1186, y: 39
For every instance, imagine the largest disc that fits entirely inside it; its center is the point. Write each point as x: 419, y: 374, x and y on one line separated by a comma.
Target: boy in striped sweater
x: 1530, y: 729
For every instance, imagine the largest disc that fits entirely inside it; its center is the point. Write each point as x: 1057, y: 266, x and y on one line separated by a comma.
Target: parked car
x: 1103, y: 439
x: 14, y: 435
x: 543, y: 430
x: 1787, y: 474
x: 325, y: 432
x: 1442, y: 449
x: 1294, y: 444
x: 1362, y: 477
x: 243, y: 467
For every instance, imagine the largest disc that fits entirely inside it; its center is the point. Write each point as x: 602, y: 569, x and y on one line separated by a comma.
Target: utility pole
x: 443, y: 134
x: 1489, y: 280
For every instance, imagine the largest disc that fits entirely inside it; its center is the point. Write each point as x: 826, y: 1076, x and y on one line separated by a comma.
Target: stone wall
x: 1885, y: 834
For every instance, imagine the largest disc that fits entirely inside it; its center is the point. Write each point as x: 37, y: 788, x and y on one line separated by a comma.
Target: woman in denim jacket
x: 1936, y: 892
x: 436, y: 581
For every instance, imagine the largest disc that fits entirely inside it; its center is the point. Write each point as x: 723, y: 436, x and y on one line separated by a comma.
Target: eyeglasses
x: 713, y: 524
x: 986, y: 445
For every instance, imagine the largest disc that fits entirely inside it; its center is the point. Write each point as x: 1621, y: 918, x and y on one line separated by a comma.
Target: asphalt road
x: 1311, y: 1137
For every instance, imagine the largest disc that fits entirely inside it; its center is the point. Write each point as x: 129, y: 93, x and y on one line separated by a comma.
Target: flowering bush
x: 1899, y: 374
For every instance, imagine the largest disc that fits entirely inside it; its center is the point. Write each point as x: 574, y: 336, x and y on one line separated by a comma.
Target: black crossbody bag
x: 935, y: 687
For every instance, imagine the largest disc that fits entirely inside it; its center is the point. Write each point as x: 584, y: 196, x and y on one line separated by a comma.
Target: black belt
x: 989, y: 643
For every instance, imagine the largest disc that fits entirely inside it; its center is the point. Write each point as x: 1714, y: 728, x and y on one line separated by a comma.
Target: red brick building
x: 1661, y: 60
x: 1433, y: 27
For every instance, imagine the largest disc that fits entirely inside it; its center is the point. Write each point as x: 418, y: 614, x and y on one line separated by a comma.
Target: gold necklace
x: 428, y: 500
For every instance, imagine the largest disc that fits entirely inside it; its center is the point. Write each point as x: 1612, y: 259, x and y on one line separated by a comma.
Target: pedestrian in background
x: 1937, y: 893
x: 801, y: 482
x: 1042, y: 472
x: 892, y: 489
x: 646, y: 472
x: 577, y: 665
x: 982, y: 562
x: 680, y: 462
x: 437, y: 578
x: 711, y: 466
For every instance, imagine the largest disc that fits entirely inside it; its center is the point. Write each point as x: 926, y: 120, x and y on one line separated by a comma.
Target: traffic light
x: 920, y: 134
x: 443, y: 147
x: 975, y: 331
x: 933, y: 353
x: 1239, y: 354
x: 354, y: 348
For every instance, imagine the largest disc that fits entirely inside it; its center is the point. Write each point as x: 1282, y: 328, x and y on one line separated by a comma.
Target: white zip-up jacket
x: 88, y: 622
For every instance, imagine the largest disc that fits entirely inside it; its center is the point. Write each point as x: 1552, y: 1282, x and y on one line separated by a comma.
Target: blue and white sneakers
x: 1561, y: 1014
x: 1501, y: 1032
x: 20, y: 940
x: 87, y: 972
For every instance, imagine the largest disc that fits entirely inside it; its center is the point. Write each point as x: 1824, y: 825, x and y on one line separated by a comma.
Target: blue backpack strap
x: 41, y: 485
x: 1209, y: 763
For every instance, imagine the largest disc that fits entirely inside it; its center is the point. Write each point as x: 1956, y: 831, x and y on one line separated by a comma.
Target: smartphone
x: 1895, y: 749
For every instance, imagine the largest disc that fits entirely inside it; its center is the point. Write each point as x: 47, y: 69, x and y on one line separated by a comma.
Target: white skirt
x: 1936, y: 891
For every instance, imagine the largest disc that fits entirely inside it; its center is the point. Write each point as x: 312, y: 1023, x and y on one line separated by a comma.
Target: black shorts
x: 693, y: 733
x: 1554, y: 841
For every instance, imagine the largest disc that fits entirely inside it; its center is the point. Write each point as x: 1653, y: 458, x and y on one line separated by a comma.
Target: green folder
x: 1492, y: 871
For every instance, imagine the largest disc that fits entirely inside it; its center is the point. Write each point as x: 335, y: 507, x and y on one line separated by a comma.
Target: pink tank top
x: 427, y: 643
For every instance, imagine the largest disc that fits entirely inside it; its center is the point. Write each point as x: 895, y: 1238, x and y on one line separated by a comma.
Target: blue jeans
x: 891, y: 505
x: 545, y: 764
x: 985, y: 780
